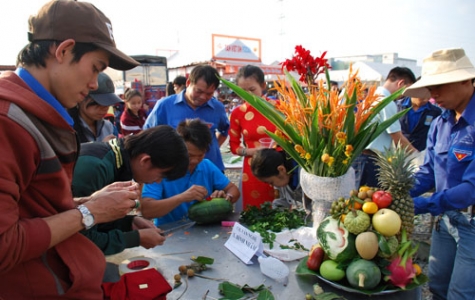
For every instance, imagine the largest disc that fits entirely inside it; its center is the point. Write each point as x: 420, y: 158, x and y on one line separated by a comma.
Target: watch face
x: 88, y: 220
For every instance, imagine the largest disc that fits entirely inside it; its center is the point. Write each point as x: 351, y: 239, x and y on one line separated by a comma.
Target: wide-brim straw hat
x: 441, y: 67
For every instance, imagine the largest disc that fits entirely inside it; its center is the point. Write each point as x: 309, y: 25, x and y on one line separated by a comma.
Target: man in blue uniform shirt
x: 196, y: 101
x: 416, y: 123
x: 449, y: 167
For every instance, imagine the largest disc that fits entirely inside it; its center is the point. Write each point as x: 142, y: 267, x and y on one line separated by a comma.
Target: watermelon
x: 215, y: 210
x: 337, y: 242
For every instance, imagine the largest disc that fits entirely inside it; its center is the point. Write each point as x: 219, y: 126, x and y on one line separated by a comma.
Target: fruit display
x: 367, y: 235
x: 370, y: 261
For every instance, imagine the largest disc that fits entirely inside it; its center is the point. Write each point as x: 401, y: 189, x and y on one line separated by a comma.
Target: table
x: 209, y: 240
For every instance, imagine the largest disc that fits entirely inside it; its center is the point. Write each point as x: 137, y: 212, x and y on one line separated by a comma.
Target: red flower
x: 307, y: 66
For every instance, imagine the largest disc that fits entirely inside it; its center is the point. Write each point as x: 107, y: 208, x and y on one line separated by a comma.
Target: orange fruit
x: 417, y: 269
x: 370, y: 207
x: 353, y: 204
x: 357, y: 205
x: 364, y: 188
x: 342, y: 217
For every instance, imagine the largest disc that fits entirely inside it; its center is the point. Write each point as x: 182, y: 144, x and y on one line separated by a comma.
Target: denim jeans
x: 365, y: 171
x: 452, y: 258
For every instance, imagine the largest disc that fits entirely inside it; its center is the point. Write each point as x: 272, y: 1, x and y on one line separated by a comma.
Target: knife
x: 174, y: 226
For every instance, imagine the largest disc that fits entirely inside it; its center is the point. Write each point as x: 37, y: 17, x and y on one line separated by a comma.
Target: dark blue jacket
x: 418, y: 135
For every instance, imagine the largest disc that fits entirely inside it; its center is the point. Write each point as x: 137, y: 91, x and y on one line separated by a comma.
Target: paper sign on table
x: 244, y: 243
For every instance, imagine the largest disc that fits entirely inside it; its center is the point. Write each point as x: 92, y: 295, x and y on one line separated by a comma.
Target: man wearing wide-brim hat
x: 449, y: 167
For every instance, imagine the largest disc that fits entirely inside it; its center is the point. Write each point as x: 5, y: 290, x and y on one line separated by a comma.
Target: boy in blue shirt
x: 170, y: 200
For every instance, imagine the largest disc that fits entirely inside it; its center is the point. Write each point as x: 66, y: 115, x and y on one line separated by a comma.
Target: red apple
x: 382, y: 199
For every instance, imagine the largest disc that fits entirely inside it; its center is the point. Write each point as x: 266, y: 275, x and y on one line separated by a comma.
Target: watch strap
x: 87, y: 217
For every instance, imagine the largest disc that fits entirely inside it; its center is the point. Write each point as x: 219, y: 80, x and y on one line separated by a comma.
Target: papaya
x: 205, y: 212
x: 363, y: 274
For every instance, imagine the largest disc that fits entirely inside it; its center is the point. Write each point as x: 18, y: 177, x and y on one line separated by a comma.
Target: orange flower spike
x: 364, y: 107
x: 330, y: 161
x: 279, y: 134
x: 341, y: 137
x: 349, y: 148
x: 299, y: 149
x: 325, y: 158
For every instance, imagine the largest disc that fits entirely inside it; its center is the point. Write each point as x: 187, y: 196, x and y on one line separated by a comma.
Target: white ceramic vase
x: 324, y: 190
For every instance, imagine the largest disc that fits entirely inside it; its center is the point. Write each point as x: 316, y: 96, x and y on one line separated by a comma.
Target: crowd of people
x: 70, y: 177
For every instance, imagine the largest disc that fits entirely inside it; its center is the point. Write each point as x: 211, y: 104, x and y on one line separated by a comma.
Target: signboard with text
x: 225, y: 47
x: 244, y: 243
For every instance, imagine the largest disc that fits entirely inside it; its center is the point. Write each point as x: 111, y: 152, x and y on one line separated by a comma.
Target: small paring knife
x: 175, y: 226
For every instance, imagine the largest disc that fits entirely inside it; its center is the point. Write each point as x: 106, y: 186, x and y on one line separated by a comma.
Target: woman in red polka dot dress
x: 247, y: 128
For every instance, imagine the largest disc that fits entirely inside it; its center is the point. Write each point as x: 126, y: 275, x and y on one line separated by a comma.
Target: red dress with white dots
x: 247, y: 126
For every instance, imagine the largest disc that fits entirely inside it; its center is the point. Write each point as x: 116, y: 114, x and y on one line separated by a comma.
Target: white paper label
x: 244, y: 243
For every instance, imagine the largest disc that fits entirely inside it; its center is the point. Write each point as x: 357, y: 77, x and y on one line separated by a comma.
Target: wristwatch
x: 87, y: 217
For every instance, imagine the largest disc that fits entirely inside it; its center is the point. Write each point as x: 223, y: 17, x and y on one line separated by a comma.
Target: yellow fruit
x: 364, y: 188
x: 387, y: 222
x: 370, y: 207
x: 417, y: 269
x: 342, y: 218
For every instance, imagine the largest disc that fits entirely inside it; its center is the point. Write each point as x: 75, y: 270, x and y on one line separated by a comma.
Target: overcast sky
x: 412, y: 28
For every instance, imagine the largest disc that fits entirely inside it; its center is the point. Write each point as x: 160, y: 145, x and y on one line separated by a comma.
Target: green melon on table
x: 212, y: 211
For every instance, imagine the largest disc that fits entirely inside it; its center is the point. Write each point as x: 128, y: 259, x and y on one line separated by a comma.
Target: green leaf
x: 302, y: 268
x: 384, y: 125
x: 265, y: 295
x: 230, y: 290
x: 203, y: 260
x: 248, y: 288
x: 383, y: 244
x: 382, y: 104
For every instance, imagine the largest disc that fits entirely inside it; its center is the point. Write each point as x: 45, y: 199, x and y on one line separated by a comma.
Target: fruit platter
x: 364, y: 244
x: 363, y: 250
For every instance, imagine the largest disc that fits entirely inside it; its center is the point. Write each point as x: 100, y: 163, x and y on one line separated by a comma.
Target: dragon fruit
x: 401, y: 269
x: 401, y: 273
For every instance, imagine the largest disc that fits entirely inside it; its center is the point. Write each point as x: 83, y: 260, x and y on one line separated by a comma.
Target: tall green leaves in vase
x: 321, y: 129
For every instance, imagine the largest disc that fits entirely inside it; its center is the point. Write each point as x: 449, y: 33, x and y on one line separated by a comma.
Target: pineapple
x: 396, y: 177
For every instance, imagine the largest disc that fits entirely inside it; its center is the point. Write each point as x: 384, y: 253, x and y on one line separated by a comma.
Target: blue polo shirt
x: 449, y: 164
x: 205, y: 174
x: 413, y: 116
x: 174, y: 109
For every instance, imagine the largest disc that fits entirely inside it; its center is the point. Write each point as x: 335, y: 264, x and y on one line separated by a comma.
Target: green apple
x: 329, y: 270
x: 387, y: 222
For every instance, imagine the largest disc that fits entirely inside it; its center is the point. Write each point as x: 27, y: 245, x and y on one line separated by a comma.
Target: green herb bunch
x: 265, y: 220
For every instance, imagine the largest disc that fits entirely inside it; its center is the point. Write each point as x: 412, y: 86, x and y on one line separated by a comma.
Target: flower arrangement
x: 322, y: 130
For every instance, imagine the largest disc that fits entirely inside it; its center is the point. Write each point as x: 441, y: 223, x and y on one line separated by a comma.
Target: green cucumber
x: 212, y: 211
